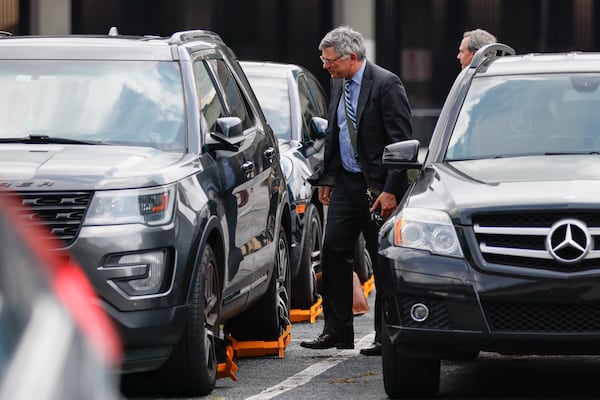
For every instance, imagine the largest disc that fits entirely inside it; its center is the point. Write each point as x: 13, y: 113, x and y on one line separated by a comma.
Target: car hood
x: 28, y: 167
x: 466, y: 187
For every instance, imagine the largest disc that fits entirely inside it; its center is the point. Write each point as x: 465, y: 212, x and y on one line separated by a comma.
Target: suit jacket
x: 383, y: 117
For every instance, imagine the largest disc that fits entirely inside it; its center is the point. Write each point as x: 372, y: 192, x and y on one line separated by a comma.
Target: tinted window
x: 318, y: 97
x: 232, y: 95
x: 122, y: 102
x: 307, y: 105
x: 210, y: 104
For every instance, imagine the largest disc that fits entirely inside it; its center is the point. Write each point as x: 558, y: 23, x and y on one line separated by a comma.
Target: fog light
x: 419, y: 312
x: 153, y: 263
x: 138, y: 274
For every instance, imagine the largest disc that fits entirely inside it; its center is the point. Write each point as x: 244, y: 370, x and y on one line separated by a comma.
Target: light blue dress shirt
x: 349, y: 162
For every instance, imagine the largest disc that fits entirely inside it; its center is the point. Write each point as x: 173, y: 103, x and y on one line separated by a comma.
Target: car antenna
x: 113, y: 31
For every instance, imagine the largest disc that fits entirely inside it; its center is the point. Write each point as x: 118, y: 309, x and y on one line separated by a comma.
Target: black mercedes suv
x: 151, y: 160
x: 496, y: 245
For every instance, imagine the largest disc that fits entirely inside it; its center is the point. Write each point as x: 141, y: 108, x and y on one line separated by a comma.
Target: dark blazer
x: 383, y: 117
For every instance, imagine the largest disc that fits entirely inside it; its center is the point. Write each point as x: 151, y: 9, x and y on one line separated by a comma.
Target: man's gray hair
x: 479, y: 38
x: 344, y: 41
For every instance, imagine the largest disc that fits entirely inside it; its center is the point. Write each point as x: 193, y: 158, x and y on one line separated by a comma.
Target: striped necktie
x: 348, y: 102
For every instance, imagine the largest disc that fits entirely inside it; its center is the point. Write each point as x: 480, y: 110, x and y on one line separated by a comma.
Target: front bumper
x: 148, y: 335
x: 149, y: 324
x: 474, y: 310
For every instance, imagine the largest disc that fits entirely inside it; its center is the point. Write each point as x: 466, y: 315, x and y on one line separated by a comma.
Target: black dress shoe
x: 374, y: 350
x: 327, y: 341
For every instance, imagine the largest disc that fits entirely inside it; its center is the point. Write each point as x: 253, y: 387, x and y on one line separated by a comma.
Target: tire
x: 408, y: 377
x: 304, y: 285
x: 191, y: 370
x: 268, y: 318
x: 363, y: 265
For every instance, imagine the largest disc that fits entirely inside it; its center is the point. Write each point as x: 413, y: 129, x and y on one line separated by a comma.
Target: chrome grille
x: 61, y: 212
x: 518, y: 239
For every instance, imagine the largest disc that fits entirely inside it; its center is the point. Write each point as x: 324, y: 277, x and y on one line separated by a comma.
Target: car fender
x: 211, y: 233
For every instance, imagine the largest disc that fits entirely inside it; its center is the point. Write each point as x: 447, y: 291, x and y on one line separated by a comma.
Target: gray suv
x: 496, y: 245
x: 151, y: 161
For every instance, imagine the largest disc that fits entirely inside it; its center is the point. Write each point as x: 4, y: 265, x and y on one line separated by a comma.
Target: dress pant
x: 348, y: 214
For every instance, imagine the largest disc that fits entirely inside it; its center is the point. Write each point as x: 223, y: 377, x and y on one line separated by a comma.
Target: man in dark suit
x: 369, y: 103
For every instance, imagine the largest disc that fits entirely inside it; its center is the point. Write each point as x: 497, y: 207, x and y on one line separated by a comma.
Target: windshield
x: 274, y: 98
x: 506, y: 116
x: 114, y: 102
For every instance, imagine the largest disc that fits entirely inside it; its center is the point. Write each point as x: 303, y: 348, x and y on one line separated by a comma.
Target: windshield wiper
x: 43, y: 139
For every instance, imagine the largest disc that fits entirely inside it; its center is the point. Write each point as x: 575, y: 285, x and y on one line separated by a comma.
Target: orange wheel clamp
x: 368, y: 286
x: 297, y: 315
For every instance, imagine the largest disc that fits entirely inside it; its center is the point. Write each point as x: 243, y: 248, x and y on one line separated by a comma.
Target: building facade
x: 417, y: 39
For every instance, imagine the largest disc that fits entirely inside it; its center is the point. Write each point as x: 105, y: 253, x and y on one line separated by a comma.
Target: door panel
x: 235, y: 190
x: 257, y: 152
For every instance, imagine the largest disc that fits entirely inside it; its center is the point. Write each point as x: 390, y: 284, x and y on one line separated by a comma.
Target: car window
x: 307, y: 106
x: 274, y: 98
x: 231, y: 92
x: 210, y: 103
x: 522, y: 115
x: 318, y: 97
x: 118, y: 102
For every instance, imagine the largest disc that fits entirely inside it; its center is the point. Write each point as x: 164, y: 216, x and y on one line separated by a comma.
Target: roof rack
x: 492, y: 50
x: 187, y: 36
x: 5, y: 33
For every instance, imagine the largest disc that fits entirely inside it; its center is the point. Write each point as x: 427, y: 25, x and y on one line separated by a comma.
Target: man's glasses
x: 329, y: 62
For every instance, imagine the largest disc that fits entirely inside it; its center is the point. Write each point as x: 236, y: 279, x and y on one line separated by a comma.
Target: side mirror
x: 318, y: 128
x: 401, y: 155
x: 229, y: 127
x: 228, y: 135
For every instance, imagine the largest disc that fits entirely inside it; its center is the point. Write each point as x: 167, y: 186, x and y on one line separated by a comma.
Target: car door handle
x: 248, y: 168
x: 269, y: 153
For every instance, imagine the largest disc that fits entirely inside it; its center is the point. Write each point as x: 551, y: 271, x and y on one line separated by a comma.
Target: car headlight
x: 138, y: 206
x: 425, y: 229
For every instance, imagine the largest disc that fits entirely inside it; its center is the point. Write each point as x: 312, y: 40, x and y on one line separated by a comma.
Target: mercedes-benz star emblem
x: 569, y: 241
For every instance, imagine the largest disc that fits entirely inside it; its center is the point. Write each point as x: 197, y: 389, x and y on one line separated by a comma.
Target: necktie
x: 348, y: 102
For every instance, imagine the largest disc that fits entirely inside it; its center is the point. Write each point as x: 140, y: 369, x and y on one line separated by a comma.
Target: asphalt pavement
x: 345, y: 374
x: 310, y: 374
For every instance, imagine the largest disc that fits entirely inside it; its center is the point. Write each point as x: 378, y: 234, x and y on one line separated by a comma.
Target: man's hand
x: 325, y: 194
x: 386, y: 202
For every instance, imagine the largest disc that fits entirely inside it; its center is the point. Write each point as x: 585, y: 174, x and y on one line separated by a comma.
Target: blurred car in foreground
x: 295, y: 105
x: 496, y: 244
x: 55, y: 340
